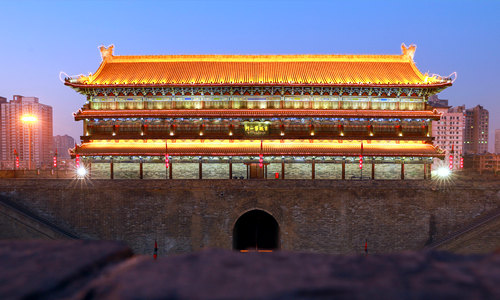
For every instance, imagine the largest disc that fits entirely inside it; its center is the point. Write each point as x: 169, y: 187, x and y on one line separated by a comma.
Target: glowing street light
x: 81, y: 172
x: 443, y: 172
x: 29, y: 120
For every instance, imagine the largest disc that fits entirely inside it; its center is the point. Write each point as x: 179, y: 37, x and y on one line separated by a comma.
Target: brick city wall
x: 16, y: 225
x: 321, y: 216
x: 484, y: 239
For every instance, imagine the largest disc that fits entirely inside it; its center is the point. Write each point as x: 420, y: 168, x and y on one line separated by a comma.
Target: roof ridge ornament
x: 408, y: 52
x: 106, y: 53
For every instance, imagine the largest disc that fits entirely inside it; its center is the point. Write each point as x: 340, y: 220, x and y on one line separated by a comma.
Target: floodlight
x: 81, y: 172
x: 443, y: 172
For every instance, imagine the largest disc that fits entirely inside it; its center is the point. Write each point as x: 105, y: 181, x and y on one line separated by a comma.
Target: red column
x: 111, y: 169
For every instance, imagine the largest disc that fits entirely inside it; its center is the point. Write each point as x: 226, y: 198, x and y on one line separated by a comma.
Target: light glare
x: 81, y: 172
x: 443, y: 172
x: 28, y: 118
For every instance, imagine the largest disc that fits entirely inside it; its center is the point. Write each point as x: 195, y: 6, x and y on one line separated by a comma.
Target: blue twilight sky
x: 38, y: 39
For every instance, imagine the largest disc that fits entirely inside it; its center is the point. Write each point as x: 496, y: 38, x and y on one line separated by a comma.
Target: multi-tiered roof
x: 259, y: 75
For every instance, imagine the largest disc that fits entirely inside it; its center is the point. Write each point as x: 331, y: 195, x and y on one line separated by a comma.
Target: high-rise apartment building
x: 2, y: 100
x: 476, y: 130
x: 62, y: 143
x: 448, y: 132
x: 30, y: 138
x: 497, y: 141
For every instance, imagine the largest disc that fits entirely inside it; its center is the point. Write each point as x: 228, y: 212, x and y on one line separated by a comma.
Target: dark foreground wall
x: 106, y: 270
x: 321, y: 216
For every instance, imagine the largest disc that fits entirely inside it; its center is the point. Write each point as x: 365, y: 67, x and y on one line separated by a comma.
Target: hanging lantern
x: 167, y: 161
x: 16, y: 159
x: 361, y: 157
x: 399, y: 130
x: 311, y: 130
x: 202, y: 129
x: 77, y: 161
x: 450, y: 162
x: 55, y: 161
x: 261, y: 156
x: 461, y: 162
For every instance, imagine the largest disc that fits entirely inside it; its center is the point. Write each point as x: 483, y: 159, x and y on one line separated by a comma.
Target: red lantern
x: 77, y: 161
x: 261, y: 160
x: 17, y: 162
x: 361, y: 162
x: 461, y: 162
x: 167, y: 161
x: 277, y: 175
x: 450, y: 162
x: 55, y: 161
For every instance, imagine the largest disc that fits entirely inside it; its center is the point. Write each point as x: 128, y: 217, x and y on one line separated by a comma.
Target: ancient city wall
x: 322, y: 216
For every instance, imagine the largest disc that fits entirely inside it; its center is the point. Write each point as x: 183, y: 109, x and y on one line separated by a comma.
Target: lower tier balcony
x: 284, y: 147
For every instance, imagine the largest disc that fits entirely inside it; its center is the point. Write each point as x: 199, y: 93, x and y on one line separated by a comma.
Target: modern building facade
x: 485, y: 162
x: 497, y: 141
x: 476, y: 130
x: 62, y: 143
x: 2, y: 101
x: 30, y: 141
x: 259, y: 116
x: 448, y: 132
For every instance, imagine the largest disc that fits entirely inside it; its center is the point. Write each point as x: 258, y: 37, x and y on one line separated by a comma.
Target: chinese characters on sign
x: 256, y: 128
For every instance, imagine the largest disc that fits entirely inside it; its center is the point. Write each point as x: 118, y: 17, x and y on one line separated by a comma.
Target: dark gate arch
x: 256, y: 230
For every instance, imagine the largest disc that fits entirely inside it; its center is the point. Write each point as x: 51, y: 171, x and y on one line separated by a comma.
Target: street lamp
x: 29, y: 120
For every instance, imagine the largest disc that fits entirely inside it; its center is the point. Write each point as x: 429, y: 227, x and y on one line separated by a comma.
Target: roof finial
x: 106, y: 53
x: 408, y: 51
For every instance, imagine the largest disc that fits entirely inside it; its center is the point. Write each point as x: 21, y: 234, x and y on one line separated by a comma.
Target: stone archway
x: 256, y: 230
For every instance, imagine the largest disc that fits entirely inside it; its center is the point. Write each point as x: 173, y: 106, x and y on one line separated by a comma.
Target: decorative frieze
x: 258, y: 91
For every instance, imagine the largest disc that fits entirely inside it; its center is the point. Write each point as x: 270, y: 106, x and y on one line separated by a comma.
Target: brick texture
x: 321, y: 216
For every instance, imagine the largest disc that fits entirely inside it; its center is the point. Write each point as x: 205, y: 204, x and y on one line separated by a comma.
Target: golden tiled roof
x: 253, y: 147
x: 255, y: 113
x: 164, y: 70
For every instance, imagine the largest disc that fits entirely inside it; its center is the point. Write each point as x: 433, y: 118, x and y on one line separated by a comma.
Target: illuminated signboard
x: 256, y: 128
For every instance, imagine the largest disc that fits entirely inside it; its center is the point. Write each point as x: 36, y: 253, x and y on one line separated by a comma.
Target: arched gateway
x: 256, y: 230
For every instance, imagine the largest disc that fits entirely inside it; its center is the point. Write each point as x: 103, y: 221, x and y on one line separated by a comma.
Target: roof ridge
x: 259, y: 58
